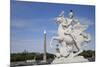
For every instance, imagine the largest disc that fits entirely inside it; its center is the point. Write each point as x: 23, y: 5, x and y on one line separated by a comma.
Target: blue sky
x: 29, y: 19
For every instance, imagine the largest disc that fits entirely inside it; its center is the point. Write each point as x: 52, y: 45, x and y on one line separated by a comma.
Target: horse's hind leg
x: 76, y: 54
x: 79, y: 50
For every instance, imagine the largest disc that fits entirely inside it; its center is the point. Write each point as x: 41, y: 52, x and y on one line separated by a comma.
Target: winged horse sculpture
x: 69, y: 35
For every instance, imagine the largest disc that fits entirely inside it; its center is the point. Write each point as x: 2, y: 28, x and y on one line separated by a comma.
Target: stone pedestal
x: 69, y: 60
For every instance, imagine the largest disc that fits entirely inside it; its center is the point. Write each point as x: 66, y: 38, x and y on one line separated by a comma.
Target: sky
x: 30, y: 19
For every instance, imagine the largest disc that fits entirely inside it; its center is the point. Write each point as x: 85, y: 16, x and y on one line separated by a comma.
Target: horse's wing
x: 78, y: 28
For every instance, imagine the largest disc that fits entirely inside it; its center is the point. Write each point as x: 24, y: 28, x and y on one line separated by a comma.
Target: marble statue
x: 71, y: 33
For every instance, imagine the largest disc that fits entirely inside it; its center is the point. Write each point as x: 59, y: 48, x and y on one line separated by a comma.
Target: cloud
x: 30, y: 45
x: 37, y: 25
x: 29, y: 23
x: 86, y: 21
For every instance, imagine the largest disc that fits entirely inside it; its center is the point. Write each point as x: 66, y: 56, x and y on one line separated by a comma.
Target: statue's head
x: 71, y: 14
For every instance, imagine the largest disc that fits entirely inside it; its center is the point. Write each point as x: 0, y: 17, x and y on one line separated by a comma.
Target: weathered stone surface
x: 69, y: 60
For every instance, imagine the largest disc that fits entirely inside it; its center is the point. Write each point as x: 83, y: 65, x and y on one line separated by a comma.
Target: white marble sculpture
x: 71, y: 33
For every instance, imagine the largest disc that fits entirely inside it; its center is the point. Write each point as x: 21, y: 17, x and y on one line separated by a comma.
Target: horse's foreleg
x: 54, y: 38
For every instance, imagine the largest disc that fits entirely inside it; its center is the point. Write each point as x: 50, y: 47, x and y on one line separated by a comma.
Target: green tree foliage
x: 29, y: 56
x: 88, y: 54
x: 25, y: 55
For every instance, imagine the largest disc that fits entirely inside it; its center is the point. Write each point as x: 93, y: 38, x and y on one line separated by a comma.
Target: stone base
x: 69, y: 60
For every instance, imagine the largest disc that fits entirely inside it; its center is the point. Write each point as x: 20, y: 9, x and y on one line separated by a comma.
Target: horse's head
x: 61, y: 21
